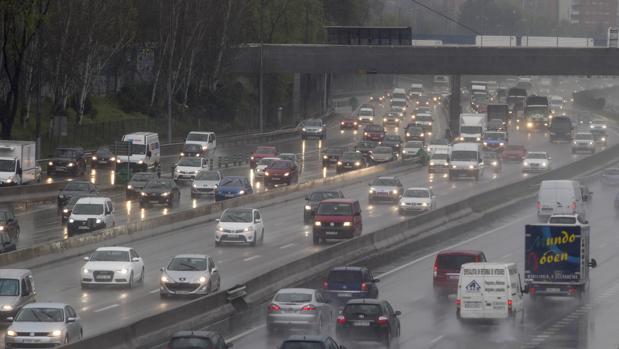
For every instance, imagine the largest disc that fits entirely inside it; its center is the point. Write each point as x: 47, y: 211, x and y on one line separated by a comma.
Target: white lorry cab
x: 206, y: 140
x: 18, y: 162
x: 465, y: 160
x: 472, y: 127
x: 559, y: 197
x: 490, y: 291
x: 145, y: 150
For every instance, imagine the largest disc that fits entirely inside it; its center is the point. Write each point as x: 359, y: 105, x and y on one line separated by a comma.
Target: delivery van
x: 145, y: 150
x: 490, y: 291
x: 559, y: 197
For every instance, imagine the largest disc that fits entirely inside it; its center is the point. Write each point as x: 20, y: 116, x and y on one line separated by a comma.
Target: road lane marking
x: 432, y: 342
x: 251, y: 258
x: 506, y: 256
x: 243, y: 334
x: 288, y: 245
x: 153, y: 291
x: 106, y: 308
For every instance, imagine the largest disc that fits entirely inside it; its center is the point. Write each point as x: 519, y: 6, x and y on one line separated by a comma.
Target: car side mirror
x: 397, y: 313
x: 10, y: 318
x: 71, y: 319
x: 525, y: 289
x: 162, y: 269
x: 376, y: 281
x: 593, y: 263
x: 229, y: 345
x: 149, y: 153
x: 19, y: 171
x: 217, y: 220
x: 258, y: 220
x: 86, y: 258
x: 135, y: 259
x: 214, y: 270
x: 307, y: 197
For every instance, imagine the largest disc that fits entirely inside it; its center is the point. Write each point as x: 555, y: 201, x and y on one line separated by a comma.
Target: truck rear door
x: 472, y: 297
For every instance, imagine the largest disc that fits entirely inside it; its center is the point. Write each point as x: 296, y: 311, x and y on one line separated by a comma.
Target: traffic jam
x: 407, y: 126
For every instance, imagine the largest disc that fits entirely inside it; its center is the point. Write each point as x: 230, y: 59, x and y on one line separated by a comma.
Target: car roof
x: 297, y: 290
x: 350, y: 268
x: 14, y: 273
x: 45, y: 305
x: 203, y: 334
x: 339, y: 201
x: 309, y: 338
x: 113, y: 248
x: 234, y: 177
x: 78, y: 181
x: 537, y: 152
x: 418, y: 188
x: 387, y: 177
x: 93, y: 200
x: 459, y: 253
x: 190, y: 255
x: 364, y: 301
x: 488, y: 265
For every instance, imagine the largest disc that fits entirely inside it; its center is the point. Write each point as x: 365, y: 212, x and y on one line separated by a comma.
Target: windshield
x: 136, y: 149
x: 374, y: 128
x: 232, y: 182
x: 414, y: 129
x: 110, y: 256
x: 416, y: 193
x: 399, y: 104
x: 191, y: 343
x: 142, y: 177
x: 197, y: 137
x: 281, y: 165
x: 187, y: 264
x: 237, y: 216
x: 40, y: 315
x: 383, y: 150
x: 350, y: 156
x: 77, y: 186
x: 537, y: 110
x: 312, y: 123
x: 345, y: 276
x: 454, y: 262
x: 7, y: 165
x: 367, y: 144
x: 413, y: 144
x: 208, y: 176
x: 612, y: 171
x: 389, y: 182
x: 65, y: 153
x: 88, y: 209
x: 302, y: 345
x: 265, y: 150
x: 9, y: 287
x: 584, y: 136
x: 440, y: 156
x: 155, y: 184
x: 423, y: 117
x: 335, y: 150
x: 514, y: 148
x: 536, y: 156
x: 470, y: 129
x: 392, y: 138
x: 464, y: 155
x: 324, y: 195
x: 192, y: 147
x: 398, y: 96
x: 562, y: 220
x: 495, y: 136
x: 190, y: 162
x: 293, y: 297
x: 366, y: 112
x: 369, y: 310
x: 334, y: 209
x: 266, y: 161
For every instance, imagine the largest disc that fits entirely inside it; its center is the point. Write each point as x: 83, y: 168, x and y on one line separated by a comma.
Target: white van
x: 206, y: 140
x: 559, y: 197
x: 90, y: 214
x: 465, y: 160
x: 145, y: 150
x: 492, y: 291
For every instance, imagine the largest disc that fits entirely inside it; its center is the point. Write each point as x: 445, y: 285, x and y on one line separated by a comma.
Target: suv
x: 447, y: 269
x: 385, y: 189
x: 369, y: 320
x: 314, y: 342
x: 67, y: 160
x: 314, y: 198
x: 313, y: 128
x: 344, y: 283
x: 583, y: 141
x: 373, y: 132
x: 337, y: 219
x: 197, y: 340
x: 561, y: 129
x: 90, y: 214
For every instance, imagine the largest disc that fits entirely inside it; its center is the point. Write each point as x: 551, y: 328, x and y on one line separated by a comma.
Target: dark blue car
x: 233, y: 187
x: 310, y: 341
x: 495, y: 140
x: 344, y: 283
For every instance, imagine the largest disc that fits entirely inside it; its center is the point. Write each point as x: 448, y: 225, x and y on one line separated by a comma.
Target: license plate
x: 60, y: 168
x: 230, y: 195
x: 102, y: 162
x: 362, y: 323
x: 472, y: 305
x: 331, y: 233
x: 453, y: 277
x: 383, y: 194
x: 31, y: 341
x: 552, y: 289
x: 83, y: 227
x: 276, y: 178
x: 104, y: 277
x: 344, y: 295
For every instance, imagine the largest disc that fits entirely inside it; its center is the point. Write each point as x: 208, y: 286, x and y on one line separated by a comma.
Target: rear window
x: 454, y: 261
x: 365, y: 309
x: 302, y: 345
x: 293, y: 297
x: 191, y: 343
x: 562, y: 220
x: 345, y: 276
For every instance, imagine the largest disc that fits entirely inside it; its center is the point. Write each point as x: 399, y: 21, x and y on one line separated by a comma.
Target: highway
x: 286, y: 239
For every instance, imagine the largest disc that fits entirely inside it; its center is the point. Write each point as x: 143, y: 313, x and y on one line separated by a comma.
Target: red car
x: 337, y: 219
x: 447, y: 269
x: 374, y: 132
x: 281, y: 171
x: 262, y: 152
x: 349, y: 124
x: 514, y: 152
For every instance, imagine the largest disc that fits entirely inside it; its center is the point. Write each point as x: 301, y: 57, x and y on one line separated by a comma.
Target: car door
x: 214, y: 273
x: 394, y: 321
x: 12, y: 224
x: 138, y: 266
x: 72, y: 327
x: 109, y: 214
x: 259, y: 227
x: 322, y: 307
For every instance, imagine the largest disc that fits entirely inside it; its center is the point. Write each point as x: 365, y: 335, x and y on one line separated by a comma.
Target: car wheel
x: 316, y: 239
x: 66, y: 340
x: 141, y: 281
x: 163, y: 295
x: 83, y: 285
x: 130, y: 283
x: 253, y: 243
x: 262, y: 237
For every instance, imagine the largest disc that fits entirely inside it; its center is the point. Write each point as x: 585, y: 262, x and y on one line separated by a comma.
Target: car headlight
x: 325, y: 157
x: 303, y: 129
x: 250, y: 228
x: 365, y: 133
x: 347, y: 224
x: 220, y: 228
x: 164, y: 278
x: 94, y: 158
x: 143, y: 194
x: 494, y: 163
x: 308, y: 207
x: 122, y: 271
x: 575, y: 142
x: 591, y: 126
x: 453, y: 166
x: 267, y: 174
x: 288, y: 173
x: 342, y: 123
x: 50, y: 163
x: 129, y: 186
x: 11, y: 333
x: 98, y: 221
x: 85, y: 271
x: 357, y: 163
x: 395, y: 191
x: 385, y: 119
x: 252, y: 158
x: 71, y: 220
x: 372, y: 190
x: 318, y: 224
x: 182, y: 154
x: 604, y: 126
x: 408, y: 134
x: 501, y: 144
x: 202, y: 279
x: 118, y: 161
x: 529, y: 124
x: 140, y: 162
x: 544, y: 164
x: 424, y: 204
x: 71, y: 164
x: 590, y: 143
x: 165, y: 194
x: 525, y: 163
x: 7, y: 307
x: 113, y: 158
x: 461, y: 138
x: 339, y: 163
x: 355, y: 123
x: 194, y: 185
x: 56, y: 333
x: 402, y: 203
x: 478, y: 139
x: 603, y: 139
x: 486, y: 143
x: 241, y: 192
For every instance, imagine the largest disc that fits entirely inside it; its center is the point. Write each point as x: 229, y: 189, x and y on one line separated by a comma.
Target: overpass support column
x: 454, y: 106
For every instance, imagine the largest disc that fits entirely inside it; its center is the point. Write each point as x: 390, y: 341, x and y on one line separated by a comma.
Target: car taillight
x: 383, y: 321
x: 509, y: 305
x: 538, y: 205
x: 325, y: 285
x: 458, y: 302
x: 571, y: 291
x: 364, y: 286
x: 435, y: 269
x: 532, y: 290
x: 274, y: 307
x: 573, y: 205
x: 309, y: 307
x: 341, y: 320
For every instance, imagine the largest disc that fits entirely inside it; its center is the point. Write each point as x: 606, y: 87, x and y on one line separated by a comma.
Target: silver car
x: 382, y: 154
x: 205, y: 183
x: 44, y: 325
x: 385, y: 189
x: 299, y: 308
x: 583, y: 141
x: 189, y: 274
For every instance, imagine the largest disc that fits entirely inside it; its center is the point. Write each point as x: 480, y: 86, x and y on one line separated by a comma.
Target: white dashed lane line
x: 106, y: 308
x: 251, y: 258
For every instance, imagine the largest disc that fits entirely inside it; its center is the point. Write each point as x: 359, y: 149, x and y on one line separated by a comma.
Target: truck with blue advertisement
x: 557, y: 259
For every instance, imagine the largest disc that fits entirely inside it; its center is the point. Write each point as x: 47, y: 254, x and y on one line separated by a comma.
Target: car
x: 331, y: 155
x: 350, y: 161
x: 314, y: 128
x: 103, y: 157
x: 189, y: 275
x: 186, y: 168
x: 495, y: 140
x: 197, y: 340
x: 337, y: 219
x: 493, y: 160
x: 385, y: 189
x: 137, y: 183
x: 349, y: 124
x: 617, y: 203
x: 411, y: 149
x: 417, y: 200
x: 77, y: 189
x: 205, y: 183
x: 398, y: 105
x: 425, y: 121
x: 314, y: 198
x: 583, y: 141
x: 66, y: 210
x: 67, y: 160
x: 393, y: 141
x: 439, y: 162
x: 365, y: 114
x: 536, y: 161
x: 262, y: 152
x: 16, y: 290
x: 496, y: 125
x: 373, y: 132
x: 192, y: 150
x: 90, y: 214
x: 435, y: 145
x: 392, y: 118
x: 9, y: 224
x: 414, y: 132
x: 514, y: 152
x: 299, y: 308
x: 281, y: 172
x: 114, y: 265
x: 160, y: 191
x: 610, y: 176
x: 290, y: 156
x: 567, y: 219
x: 233, y: 187
x: 364, y: 147
x: 350, y: 282
x: 240, y: 225
x: 382, y: 154
x: 369, y: 320
x: 446, y: 270
x: 313, y: 342
x: 262, y: 165
x: 598, y: 130
x: 44, y: 325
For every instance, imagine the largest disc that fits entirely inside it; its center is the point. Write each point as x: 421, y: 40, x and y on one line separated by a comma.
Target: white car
x: 189, y: 274
x: 112, y: 266
x: 187, y: 168
x: 239, y: 225
x: 411, y: 149
x: 417, y: 200
x: 583, y: 141
x: 90, y: 214
x: 262, y: 165
x: 205, y: 183
x: 536, y: 161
